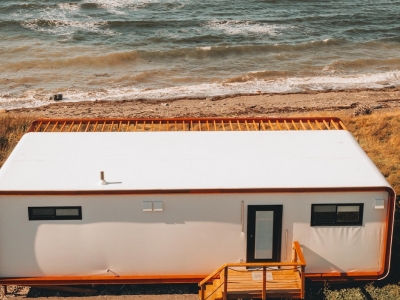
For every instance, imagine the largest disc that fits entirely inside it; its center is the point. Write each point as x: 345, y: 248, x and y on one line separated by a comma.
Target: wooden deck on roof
x: 186, y: 124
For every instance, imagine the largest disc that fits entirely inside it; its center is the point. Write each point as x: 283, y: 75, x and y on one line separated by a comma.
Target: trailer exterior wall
x: 201, y: 177
x: 194, y: 234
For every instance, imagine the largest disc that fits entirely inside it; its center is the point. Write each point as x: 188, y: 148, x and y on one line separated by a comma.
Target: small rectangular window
x: 55, y: 213
x: 336, y: 214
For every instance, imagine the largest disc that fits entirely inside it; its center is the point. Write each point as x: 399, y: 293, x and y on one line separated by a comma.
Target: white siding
x: 194, y: 234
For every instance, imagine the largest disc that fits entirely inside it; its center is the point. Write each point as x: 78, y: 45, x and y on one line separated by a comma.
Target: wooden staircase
x: 257, y: 280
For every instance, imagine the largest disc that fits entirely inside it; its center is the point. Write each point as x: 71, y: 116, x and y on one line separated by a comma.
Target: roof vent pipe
x: 102, y: 180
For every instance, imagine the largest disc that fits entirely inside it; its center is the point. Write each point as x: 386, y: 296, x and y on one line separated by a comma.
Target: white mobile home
x: 175, y: 205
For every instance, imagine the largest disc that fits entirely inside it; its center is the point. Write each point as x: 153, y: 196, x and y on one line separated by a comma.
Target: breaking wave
x: 33, y: 98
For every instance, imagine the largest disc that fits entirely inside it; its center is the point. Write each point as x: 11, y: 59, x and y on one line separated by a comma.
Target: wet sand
x: 310, y: 103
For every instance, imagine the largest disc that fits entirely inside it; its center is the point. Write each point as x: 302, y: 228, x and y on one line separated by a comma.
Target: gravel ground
x: 128, y: 291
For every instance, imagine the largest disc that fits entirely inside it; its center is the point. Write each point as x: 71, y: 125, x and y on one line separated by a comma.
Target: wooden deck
x: 242, y: 283
x: 257, y: 280
x: 187, y: 124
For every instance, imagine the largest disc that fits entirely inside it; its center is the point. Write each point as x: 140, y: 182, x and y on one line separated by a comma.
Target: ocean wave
x: 180, y: 25
x: 8, y: 8
x: 260, y: 75
x: 264, y: 55
x: 242, y: 50
x: 255, y: 86
x: 207, y: 48
x: 120, y: 3
x: 363, y: 63
x: 245, y: 50
x: 112, y: 6
x: 66, y: 26
x: 234, y: 27
x: 69, y: 6
x: 108, y: 60
x: 120, y: 7
x: 62, y: 19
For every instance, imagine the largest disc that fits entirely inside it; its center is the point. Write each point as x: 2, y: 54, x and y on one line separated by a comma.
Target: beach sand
x: 311, y: 103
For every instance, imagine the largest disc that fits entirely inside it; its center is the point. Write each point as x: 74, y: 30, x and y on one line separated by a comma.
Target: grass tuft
x: 12, y: 128
x: 379, y: 136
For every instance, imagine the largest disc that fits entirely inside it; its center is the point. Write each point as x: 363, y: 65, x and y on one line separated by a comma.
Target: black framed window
x: 55, y: 213
x: 336, y: 214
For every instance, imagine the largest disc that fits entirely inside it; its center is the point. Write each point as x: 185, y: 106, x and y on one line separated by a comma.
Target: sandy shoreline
x: 310, y: 103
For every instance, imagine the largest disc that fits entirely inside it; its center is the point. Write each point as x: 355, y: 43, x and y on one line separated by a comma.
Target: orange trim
x: 343, y: 276
x: 83, y: 280
x: 387, y: 250
x: 73, y: 280
x: 299, y: 253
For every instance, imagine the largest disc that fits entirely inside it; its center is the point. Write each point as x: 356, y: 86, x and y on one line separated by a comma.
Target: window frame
x: 54, y: 217
x: 315, y: 223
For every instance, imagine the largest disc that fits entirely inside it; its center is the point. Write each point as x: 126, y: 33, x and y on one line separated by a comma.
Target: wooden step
x: 248, y: 284
x: 212, y: 292
x: 218, y: 288
x: 260, y: 279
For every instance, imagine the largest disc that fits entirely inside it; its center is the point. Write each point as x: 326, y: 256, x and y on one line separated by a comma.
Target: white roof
x: 188, y: 160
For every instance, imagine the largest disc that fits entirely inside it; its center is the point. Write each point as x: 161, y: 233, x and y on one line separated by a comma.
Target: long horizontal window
x: 336, y: 214
x: 55, y: 213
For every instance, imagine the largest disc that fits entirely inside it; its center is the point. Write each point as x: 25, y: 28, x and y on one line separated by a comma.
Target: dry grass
x: 363, y: 292
x: 12, y: 127
x: 379, y: 136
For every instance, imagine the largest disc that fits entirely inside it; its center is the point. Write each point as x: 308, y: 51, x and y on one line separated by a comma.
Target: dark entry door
x: 264, y: 231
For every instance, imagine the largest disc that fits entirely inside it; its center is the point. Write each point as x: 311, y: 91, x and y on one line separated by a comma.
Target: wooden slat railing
x: 298, y: 262
x: 186, y: 124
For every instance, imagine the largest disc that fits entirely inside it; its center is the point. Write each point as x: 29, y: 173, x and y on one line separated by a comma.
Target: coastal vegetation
x: 379, y: 136
x: 12, y: 128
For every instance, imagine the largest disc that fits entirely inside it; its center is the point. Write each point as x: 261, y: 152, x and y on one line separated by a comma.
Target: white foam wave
x: 245, y: 27
x: 69, y: 6
x: 29, y: 98
x: 67, y: 27
x: 63, y: 20
x: 34, y: 98
x: 119, y: 3
x: 119, y: 7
